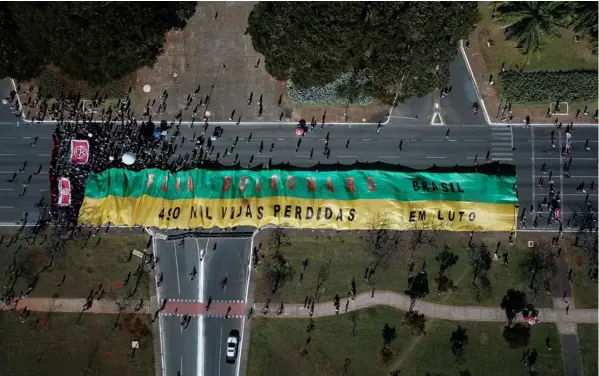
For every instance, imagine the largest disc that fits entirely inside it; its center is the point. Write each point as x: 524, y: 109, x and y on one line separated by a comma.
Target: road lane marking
x: 432, y: 140
x: 436, y: 157
x: 44, y: 155
x: 177, y: 266
x: 7, y: 207
x: 347, y: 156
x: 474, y: 140
x: 10, y: 172
x: 8, y: 155
x: 181, y: 368
x: 7, y: 189
x: 220, y: 350
x: 180, y: 307
x: 495, y: 153
x: 200, y: 356
x: 578, y: 159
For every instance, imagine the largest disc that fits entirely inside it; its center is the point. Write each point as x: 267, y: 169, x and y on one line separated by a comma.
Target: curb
x: 246, y: 330
x: 27, y: 121
x: 157, y: 340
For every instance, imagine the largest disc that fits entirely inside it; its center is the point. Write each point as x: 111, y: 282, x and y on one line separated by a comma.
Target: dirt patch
x: 211, y: 54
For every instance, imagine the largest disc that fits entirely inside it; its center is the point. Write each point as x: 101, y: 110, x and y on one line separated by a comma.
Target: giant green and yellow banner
x: 344, y: 200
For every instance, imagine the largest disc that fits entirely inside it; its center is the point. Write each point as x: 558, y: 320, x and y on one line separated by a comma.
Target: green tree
x: 538, y: 267
x: 92, y: 41
x: 513, y: 302
x: 398, y: 46
x: 531, y: 23
x: 585, y: 21
x: 480, y: 261
x: 389, y: 334
x: 417, y: 288
x: 311, y: 325
x: 277, y: 270
x: 446, y: 259
x: 416, y: 321
x: 458, y: 340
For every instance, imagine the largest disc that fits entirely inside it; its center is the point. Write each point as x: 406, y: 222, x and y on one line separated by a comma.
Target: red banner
x: 79, y: 151
x: 64, y: 192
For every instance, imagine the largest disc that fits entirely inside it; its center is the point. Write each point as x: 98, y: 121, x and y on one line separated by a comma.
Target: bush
x: 550, y: 86
x: 332, y: 94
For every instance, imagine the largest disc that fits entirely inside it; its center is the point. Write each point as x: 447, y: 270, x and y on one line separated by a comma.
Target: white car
x: 232, y: 346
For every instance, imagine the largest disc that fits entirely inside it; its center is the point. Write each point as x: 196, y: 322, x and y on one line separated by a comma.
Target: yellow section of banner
x: 300, y: 213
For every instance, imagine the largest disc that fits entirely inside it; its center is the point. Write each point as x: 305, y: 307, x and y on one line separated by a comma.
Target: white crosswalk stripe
x: 501, y: 145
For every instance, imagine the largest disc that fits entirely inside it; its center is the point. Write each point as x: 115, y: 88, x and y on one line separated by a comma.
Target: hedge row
x: 328, y: 95
x: 548, y: 86
x: 54, y: 82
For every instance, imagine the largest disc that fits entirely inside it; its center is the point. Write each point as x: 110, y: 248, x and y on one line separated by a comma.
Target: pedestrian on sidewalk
x: 568, y: 310
x: 564, y: 298
x: 62, y: 280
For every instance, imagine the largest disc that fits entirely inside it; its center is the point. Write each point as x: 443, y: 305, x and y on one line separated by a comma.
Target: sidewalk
x: 73, y: 305
x: 433, y: 310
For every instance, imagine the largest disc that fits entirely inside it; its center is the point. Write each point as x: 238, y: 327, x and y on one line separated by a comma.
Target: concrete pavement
x: 37, y: 304
x: 433, y: 310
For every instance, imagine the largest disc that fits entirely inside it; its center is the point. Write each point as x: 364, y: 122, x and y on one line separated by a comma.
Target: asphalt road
x: 200, y: 348
x: 533, y: 149
x: 422, y: 145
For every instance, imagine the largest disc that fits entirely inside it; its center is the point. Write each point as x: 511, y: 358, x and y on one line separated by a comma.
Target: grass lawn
x: 276, y: 345
x: 556, y: 54
x: 58, y: 346
x: 587, y: 341
x: 84, y: 268
x: 349, y: 259
x: 584, y: 289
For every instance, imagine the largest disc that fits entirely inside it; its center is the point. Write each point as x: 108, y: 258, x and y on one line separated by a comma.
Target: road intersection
x: 408, y: 138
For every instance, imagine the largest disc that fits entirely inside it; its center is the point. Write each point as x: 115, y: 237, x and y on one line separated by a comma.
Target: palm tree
x: 584, y: 21
x: 531, y: 22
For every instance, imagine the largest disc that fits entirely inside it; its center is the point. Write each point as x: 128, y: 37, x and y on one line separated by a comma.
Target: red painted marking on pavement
x: 197, y: 308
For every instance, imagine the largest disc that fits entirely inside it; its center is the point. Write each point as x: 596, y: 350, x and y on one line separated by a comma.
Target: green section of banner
x: 333, y: 185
